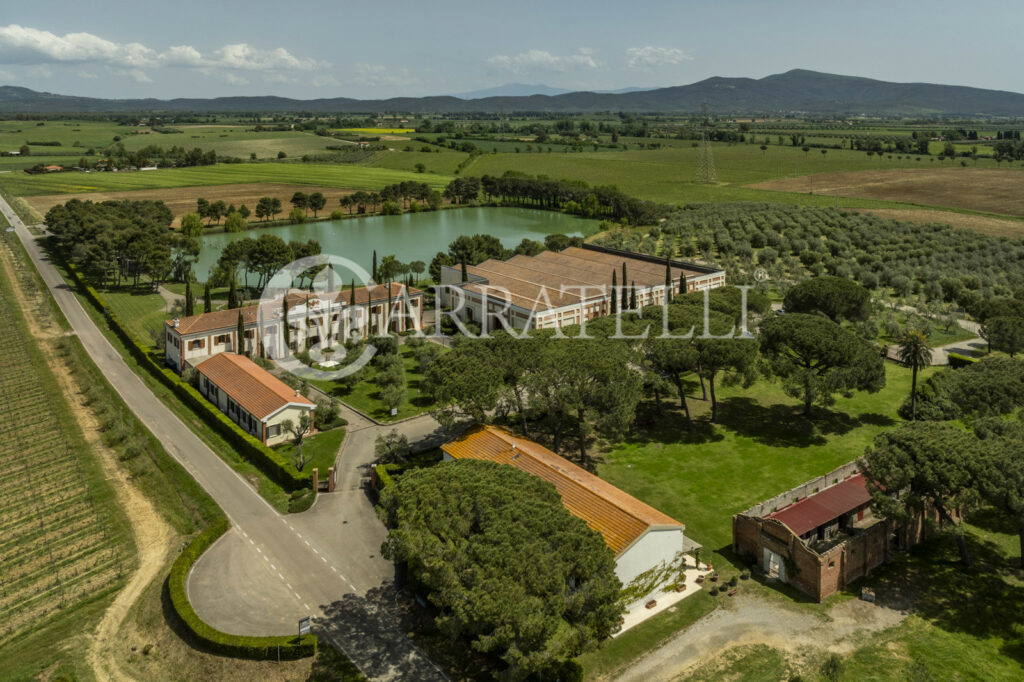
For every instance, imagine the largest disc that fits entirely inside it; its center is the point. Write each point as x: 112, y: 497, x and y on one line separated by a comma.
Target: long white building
x: 560, y: 288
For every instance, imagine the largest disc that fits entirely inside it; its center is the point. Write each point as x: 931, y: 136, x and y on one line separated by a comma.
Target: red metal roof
x: 824, y: 506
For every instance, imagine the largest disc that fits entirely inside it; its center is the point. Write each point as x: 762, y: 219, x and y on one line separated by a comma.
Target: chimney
x: 296, y: 393
x: 176, y: 323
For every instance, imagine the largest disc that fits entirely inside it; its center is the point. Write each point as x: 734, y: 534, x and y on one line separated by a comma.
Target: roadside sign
x: 305, y: 625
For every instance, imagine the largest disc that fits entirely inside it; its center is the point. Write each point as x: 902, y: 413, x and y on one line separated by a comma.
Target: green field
x: 761, y: 448
x: 320, y: 175
x: 667, y: 175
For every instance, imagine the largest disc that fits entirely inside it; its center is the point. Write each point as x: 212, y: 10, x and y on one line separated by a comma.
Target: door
x: 774, y: 565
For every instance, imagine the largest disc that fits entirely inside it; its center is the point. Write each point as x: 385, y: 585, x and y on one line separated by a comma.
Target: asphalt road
x: 270, y: 570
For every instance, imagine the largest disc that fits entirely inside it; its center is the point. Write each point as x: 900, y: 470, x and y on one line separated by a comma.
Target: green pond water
x: 410, y: 236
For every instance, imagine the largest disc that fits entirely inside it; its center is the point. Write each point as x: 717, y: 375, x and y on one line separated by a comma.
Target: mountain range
x: 795, y: 92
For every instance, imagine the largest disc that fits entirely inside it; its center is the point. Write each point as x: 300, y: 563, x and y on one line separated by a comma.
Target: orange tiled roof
x: 260, y: 393
x: 228, y: 319
x: 620, y: 518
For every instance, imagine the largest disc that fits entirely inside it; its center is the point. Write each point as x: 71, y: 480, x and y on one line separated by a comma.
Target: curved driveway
x: 270, y: 570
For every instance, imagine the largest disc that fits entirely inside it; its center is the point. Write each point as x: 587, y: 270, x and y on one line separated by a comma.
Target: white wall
x: 651, y: 549
x: 293, y: 412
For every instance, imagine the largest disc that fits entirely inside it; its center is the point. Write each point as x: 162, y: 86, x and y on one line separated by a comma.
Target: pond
x: 410, y: 236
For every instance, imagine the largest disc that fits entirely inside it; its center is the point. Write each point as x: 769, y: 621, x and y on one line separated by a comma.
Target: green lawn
x: 761, y: 448
x: 142, y: 310
x: 320, y: 175
x: 320, y: 450
x: 365, y: 396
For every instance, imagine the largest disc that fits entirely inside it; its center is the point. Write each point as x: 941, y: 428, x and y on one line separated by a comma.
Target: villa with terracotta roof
x: 252, y: 397
x: 191, y: 340
x: 640, y: 536
x: 822, y: 535
x: 560, y: 288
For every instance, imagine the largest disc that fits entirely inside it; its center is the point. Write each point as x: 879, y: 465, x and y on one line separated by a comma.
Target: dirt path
x: 153, y: 536
x: 755, y: 620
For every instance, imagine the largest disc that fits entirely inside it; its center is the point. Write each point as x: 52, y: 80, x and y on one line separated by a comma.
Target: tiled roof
x: 260, y: 393
x: 228, y: 319
x: 617, y: 516
x: 529, y: 279
x: 824, y: 506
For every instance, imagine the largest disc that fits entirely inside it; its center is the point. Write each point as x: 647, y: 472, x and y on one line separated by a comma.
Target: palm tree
x: 914, y: 352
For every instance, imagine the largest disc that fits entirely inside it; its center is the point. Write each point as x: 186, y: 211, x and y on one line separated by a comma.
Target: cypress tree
x: 668, y: 278
x: 190, y: 302
x: 241, y: 335
x: 387, y: 320
x: 632, y: 297
x: 624, y: 280
x: 373, y: 271
x: 465, y: 274
x: 232, y: 294
x: 207, y: 298
x: 682, y: 281
x: 285, y: 327
x: 352, y: 293
x: 615, y: 293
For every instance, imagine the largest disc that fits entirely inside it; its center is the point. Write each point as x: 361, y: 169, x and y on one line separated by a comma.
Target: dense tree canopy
x: 991, y: 386
x: 925, y: 466
x: 116, y: 240
x: 506, y: 565
x: 815, y: 358
x: 835, y: 297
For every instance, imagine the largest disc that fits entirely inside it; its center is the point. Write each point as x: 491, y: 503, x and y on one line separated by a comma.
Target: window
x: 273, y: 431
x: 222, y: 338
x: 250, y: 333
x: 198, y: 343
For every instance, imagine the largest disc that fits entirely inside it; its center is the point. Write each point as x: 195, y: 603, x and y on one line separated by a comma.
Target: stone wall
x: 804, y: 490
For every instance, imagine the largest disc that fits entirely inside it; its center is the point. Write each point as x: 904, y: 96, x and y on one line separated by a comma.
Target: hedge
x: 957, y: 361
x: 252, y: 450
x: 382, y: 477
x: 213, y: 640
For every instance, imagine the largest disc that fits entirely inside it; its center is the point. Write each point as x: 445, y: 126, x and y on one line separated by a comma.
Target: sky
x: 390, y: 48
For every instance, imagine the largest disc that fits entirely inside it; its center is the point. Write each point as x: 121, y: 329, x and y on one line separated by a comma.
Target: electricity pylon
x: 705, y: 159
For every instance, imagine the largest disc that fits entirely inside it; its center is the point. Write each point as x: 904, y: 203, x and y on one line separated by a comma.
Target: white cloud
x: 23, y: 45
x: 182, y: 55
x: 325, y: 80
x: 243, y: 56
x: 584, y: 58
x: 88, y: 75
x: 645, y: 57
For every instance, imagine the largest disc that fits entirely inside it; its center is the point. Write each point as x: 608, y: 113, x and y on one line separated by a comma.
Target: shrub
x: 211, y: 639
x: 957, y: 361
x: 832, y: 668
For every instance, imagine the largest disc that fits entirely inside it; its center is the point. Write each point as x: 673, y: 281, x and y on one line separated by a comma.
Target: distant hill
x: 794, y: 92
x: 512, y: 90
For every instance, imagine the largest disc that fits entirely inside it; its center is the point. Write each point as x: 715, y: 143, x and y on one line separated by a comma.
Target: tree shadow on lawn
x: 929, y: 581
x: 668, y: 427
x: 781, y: 425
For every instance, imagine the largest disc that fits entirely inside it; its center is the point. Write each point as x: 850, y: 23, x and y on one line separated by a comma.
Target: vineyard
x: 57, y: 545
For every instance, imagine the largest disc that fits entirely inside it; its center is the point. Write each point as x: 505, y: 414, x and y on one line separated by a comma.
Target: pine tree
x: 615, y: 293
x: 207, y: 299
x: 241, y: 335
x: 190, y: 302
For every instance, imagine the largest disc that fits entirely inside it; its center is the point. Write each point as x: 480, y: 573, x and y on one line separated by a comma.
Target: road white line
x: 281, y: 577
x: 297, y: 596
x: 251, y: 542
x: 324, y: 559
x: 306, y: 606
x: 273, y: 567
x: 315, y: 550
x: 289, y: 585
x: 307, y: 543
x: 334, y: 569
